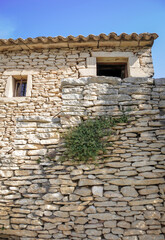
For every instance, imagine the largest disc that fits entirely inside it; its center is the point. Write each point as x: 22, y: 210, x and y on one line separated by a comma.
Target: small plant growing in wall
x: 84, y: 142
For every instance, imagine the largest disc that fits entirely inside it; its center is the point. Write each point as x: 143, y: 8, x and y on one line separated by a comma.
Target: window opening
x: 112, y: 66
x: 112, y: 69
x: 20, y: 88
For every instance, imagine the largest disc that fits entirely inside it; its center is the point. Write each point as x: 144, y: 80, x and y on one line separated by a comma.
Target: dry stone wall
x: 122, y: 197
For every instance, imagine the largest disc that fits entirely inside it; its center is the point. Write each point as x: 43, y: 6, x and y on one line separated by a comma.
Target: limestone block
x: 123, y: 224
x: 112, y: 194
x: 53, y: 196
x: 25, y: 201
x: 159, y: 81
x: 91, y: 62
x: 97, y: 191
x: 17, y: 183
x: 63, y: 227
x: 111, y: 236
x: 130, y: 238
x: 55, y: 220
x: 84, y: 191
x: 66, y: 190
x: 102, y: 79
x: 162, y: 104
x: 19, y: 153
x: 81, y: 220
x: 145, y: 202
x: 93, y: 232
x: 62, y: 182
x: 49, y: 141
x: 110, y: 224
x: 118, y: 164
x: 152, y: 215
x: 34, y: 188
x: 86, y: 72
x: 34, y: 119
x: 129, y: 192
x: 72, y: 96
x: 40, y: 152
x: 12, y: 232
x: 138, y: 72
x: 151, y: 237
x: 61, y: 214
x: 6, y: 173
x: 76, y: 172
x: 72, y: 208
x: 131, y: 232
x: 163, y: 150
x: 90, y: 209
x: 139, y: 224
x: 105, y: 216
x: 74, y: 82
x: 84, y: 55
x: 123, y: 182
x: 89, y: 182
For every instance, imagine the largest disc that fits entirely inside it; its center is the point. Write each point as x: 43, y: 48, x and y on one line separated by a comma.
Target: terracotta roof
x: 112, y: 39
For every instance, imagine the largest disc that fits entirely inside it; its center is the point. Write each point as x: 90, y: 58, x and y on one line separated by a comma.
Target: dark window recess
x: 113, y: 70
x: 20, y: 88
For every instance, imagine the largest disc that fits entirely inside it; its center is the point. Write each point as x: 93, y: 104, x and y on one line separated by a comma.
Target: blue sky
x: 33, y: 18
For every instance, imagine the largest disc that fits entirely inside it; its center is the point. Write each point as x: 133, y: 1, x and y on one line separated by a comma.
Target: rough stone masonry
x: 120, y: 198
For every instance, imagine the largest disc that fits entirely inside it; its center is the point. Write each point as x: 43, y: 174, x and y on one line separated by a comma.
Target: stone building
x: 50, y: 84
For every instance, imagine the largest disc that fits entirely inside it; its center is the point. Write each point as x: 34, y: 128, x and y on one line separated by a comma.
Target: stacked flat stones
x: 120, y: 198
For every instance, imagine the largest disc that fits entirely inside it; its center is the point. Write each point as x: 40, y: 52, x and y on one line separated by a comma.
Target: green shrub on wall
x: 84, y: 142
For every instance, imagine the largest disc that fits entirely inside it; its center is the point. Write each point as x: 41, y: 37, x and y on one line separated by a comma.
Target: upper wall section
x: 75, y: 56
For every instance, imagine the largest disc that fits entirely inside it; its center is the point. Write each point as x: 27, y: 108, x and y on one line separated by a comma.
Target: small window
x: 115, y: 67
x: 20, y: 86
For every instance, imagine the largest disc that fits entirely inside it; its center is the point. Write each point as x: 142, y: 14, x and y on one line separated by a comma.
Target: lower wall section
x: 119, y: 198
x: 115, y: 200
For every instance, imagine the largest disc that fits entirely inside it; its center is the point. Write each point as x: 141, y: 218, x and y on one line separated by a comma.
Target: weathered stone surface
x: 17, y: 183
x: 83, y: 191
x: 62, y: 182
x: 90, y: 209
x: 129, y: 192
x: 131, y: 232
x: 111, y: 236
x: 40, y: 152
x: 152, y: 237
x: 20, y: 233
x: 104, y: 216
x: 123, y: 182
x: 72, y: 208
x: 123, y: 224
x: 110, y: 224
x: 6, y: 173
x: 139, y: 225
x: 89, y: 182
x: 55, y: 219
x: 34, y: 188
x: 66, y: 190
x: 152, y: 215
x: 93, y: 232
x: 112, y: 194
x: 144, y: 202
x: 81, y: 220
x: 149, y: 190
x: 25, y: 201
x: 53, y: 196
x: 97, y: 191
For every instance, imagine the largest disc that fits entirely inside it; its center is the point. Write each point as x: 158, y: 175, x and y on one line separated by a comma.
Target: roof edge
x: 112, y: 39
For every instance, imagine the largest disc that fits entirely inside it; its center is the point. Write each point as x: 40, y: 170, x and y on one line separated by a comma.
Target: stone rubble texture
x: 122, y: 197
